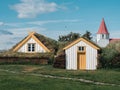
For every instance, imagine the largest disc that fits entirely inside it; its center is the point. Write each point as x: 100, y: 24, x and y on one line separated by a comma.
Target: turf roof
x: 48, y: 42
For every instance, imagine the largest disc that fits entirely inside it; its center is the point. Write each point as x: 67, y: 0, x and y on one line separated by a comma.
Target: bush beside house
x: 110, y: 56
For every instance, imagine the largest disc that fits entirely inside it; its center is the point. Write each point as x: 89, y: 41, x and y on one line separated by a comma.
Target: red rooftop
x: 102, y: 28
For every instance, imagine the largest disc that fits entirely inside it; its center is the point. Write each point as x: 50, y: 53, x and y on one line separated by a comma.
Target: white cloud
x: 24, y: 31
x: 24, y: 24
x: 32, y: 8
x: 14, y: 24
x: 52, y: 21
x: 1, y: 23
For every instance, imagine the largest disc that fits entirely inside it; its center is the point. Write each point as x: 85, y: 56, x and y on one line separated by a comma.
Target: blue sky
x: 55, y: 17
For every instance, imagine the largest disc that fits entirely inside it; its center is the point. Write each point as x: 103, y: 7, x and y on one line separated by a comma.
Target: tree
x: 87, y: 35
x: 69, y: 37
x: 108, y: 58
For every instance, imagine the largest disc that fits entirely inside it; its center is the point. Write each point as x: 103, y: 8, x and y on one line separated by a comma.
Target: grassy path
x: 62, y: 78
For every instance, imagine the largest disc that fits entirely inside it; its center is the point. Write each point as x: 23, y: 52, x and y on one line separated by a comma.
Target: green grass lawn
x: 24, y: 81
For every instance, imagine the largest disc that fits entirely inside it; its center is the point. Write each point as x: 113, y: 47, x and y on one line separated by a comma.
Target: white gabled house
x: 81, y: 54
x: 31, y: 44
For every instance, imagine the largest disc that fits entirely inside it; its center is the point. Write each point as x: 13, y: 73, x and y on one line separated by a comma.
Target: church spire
x: 103, y: 35
x: 103, y: 28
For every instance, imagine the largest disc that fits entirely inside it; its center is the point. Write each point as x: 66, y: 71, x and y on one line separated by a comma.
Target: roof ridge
x: 81, y: 38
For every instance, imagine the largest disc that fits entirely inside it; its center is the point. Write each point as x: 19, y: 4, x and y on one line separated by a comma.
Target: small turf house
x: 81, y: 54
x: 34, y: 43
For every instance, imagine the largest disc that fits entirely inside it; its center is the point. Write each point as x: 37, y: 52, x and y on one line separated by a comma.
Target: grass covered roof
x: 48, y: 42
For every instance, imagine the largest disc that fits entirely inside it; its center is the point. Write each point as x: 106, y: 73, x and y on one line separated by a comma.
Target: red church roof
x: 102, y: 28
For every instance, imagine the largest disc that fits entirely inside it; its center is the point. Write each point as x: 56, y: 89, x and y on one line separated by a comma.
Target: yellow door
x: 81, y: 61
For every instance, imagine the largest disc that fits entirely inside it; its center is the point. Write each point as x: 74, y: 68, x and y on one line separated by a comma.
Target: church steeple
x: 103, y: 35
x: 103, y: 28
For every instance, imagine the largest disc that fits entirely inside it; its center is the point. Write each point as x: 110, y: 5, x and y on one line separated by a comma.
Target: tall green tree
x: 87, y: 35
x: 69, y: 37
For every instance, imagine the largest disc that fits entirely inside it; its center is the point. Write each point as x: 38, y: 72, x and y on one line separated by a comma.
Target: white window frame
x: 81, y: 48
x: 31, y: 47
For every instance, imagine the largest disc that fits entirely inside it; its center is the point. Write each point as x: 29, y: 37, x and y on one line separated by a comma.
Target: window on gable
x: 81, y: 49
x: 31, y: 47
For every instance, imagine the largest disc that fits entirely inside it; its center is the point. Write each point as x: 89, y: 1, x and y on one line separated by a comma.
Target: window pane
x: 82, y: 48
x: 33, y: 47
x: 79, y: 48
x: 29, y: 47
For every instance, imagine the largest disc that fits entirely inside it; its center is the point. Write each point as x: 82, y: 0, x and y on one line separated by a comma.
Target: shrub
x: 109, y: 57
x: 51, y: 59
x: 116, y: 62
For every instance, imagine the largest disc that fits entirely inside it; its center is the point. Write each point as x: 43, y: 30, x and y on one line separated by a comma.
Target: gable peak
x: 31, y: 33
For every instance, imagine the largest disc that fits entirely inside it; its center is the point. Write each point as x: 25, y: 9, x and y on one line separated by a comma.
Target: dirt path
x: 63, y: 78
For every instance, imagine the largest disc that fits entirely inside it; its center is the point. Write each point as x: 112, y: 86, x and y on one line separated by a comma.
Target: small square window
x: 81, y: 48
x: 31, y: 47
